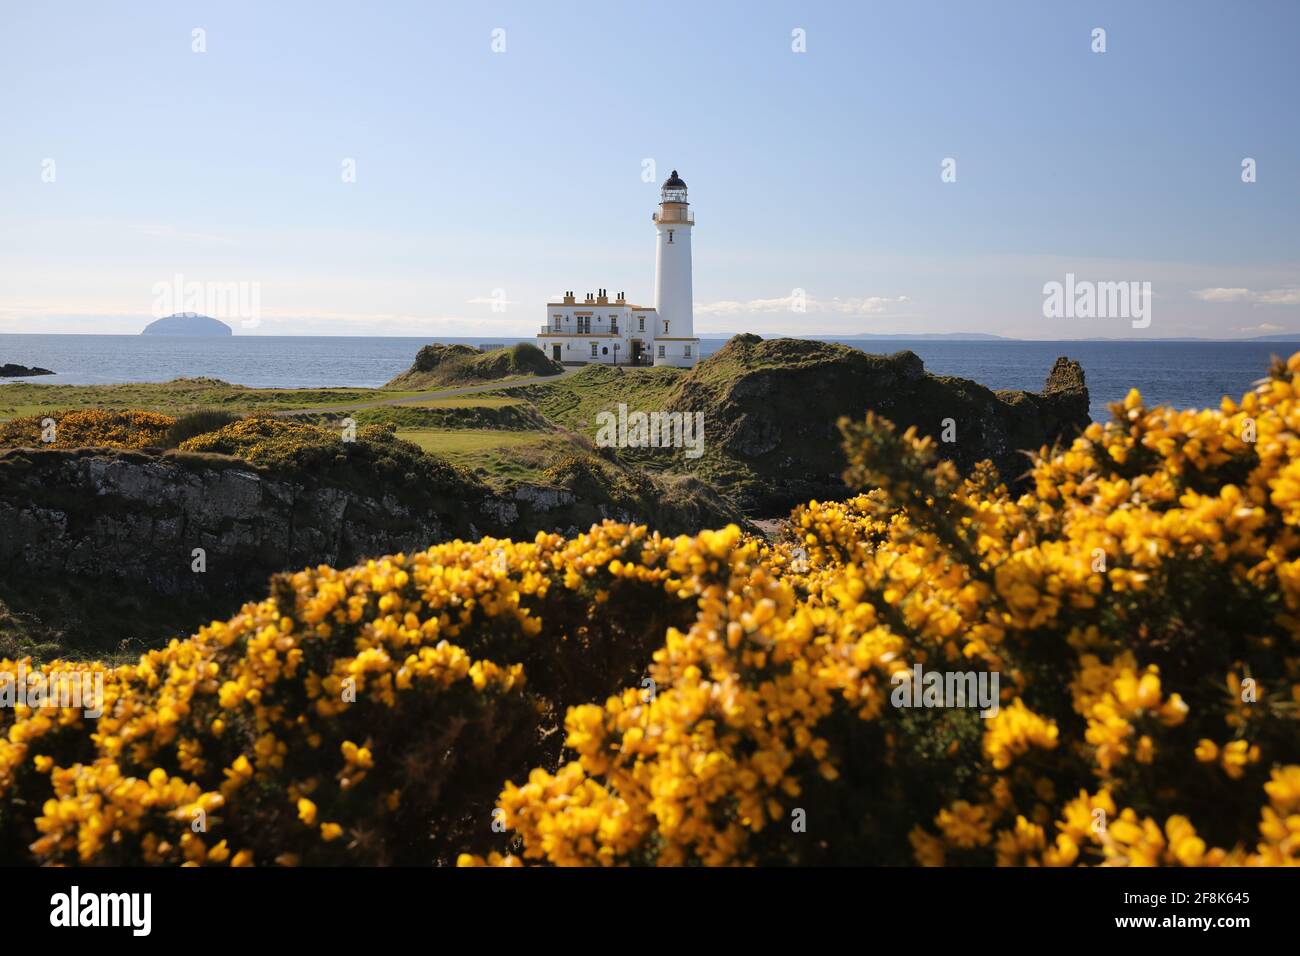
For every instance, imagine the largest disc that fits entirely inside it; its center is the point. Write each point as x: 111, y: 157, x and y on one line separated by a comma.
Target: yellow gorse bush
x: 1138, y: 604
x: 264, y: 439
x: 333, y: 722
x: 1121, y: 601
x: 88, y: 427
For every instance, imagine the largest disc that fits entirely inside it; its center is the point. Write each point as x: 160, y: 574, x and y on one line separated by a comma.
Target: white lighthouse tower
x: 605, y: 328
x: 674, y: 335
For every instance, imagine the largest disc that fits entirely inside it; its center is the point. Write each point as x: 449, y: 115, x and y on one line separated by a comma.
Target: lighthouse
x: 606, y: 328
x: 675, y: 342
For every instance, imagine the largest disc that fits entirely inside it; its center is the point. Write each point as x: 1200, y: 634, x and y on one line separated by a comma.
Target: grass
x: 22, y: 399
x: 494, y: 452
x: 437, y: 416
x: 487, y: 400
x: 506, y: 433
x: 484, y: 432
x: 449, y: 365
x: 574, y: 402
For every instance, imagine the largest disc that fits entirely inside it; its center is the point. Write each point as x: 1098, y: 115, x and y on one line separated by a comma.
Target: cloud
x: 1279, y: 297
x: 872, y: 305
x: 1263, y: 327
x: 1269, y: 297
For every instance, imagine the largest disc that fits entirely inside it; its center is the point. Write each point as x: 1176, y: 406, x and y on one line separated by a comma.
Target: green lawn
x: 494, y: 452
x: 25, y: 399
x: 22, y: 399
x: 574, y: 402
x: 486, y: 400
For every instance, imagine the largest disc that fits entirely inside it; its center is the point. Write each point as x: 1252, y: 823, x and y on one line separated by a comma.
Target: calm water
x: 1184, y: 374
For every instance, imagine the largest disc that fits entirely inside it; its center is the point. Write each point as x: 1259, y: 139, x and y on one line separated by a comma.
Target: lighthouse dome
x: 674, y: 182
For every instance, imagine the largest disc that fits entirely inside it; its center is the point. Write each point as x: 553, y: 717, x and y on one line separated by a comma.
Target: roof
x: 597, y: 307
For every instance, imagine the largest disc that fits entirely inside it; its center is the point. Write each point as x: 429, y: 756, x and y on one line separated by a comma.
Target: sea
x: 1182, y: 374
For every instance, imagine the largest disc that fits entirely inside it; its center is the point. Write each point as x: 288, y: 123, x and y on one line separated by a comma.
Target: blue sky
x: 522, y: 171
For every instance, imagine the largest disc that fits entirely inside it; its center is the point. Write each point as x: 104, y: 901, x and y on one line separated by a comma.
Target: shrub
x: 88, y: 427
x: 376, y: 456
x: 521, y: 359
x: 358, y: 716
x: 193, y: 424
x: 270, y: 441
x: 1139, y: 606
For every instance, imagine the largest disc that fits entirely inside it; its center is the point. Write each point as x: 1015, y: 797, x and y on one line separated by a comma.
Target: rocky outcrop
x: 9, y: 370
x: 771, y: 409
x: 441, y: 365
x: 138, y: 518
x: 185, y: 538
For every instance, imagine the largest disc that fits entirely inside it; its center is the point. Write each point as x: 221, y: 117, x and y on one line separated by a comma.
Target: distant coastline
x: 1185, y: 374
x: 1287, y: 338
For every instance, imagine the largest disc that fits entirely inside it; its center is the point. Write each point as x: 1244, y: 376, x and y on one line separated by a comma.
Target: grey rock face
x: 537, y: 496
x: 138, y: 518
x: 771, y: 408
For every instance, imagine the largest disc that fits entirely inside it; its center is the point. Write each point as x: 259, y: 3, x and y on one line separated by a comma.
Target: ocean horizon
x: 1185, y: 374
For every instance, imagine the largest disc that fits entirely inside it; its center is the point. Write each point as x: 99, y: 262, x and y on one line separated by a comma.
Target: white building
x: 616, y: 332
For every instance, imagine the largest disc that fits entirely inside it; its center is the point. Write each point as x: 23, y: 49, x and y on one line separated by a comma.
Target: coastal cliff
x: 771, y: 410
x: 114, y: 531
x: 773, y: 406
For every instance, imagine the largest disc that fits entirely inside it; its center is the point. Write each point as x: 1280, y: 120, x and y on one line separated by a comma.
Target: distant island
x: 188, y: 323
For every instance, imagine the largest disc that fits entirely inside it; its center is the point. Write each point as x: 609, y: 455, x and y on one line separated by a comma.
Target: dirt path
x: 433, y: 394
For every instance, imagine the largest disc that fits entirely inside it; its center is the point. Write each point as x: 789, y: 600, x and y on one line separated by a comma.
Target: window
x: 593, y: 349
x: 640, y: 319
x: 661, y: 351
x: 604, y: 351
x: 665, y: 326
x: 670, y: 235
x: 687, y: 353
